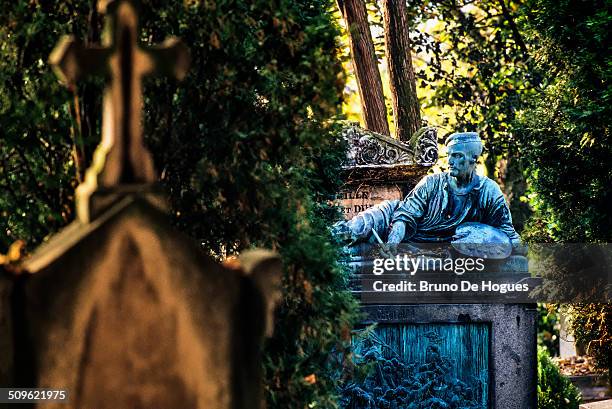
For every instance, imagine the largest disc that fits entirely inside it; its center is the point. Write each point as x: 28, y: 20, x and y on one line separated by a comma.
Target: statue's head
x: 464, y: 149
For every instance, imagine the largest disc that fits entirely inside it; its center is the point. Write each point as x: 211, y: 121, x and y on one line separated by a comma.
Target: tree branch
x: 515, y: 31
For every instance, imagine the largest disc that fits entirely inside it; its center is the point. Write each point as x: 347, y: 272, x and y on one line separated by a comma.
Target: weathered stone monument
x: 431, y: 348
x: 119, y: 309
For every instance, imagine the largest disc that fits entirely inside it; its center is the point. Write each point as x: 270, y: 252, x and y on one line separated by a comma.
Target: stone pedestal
x: 492, y: 346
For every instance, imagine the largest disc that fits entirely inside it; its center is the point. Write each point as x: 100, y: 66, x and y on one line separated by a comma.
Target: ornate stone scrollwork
x: 368, y: 148
x: 426, y: 151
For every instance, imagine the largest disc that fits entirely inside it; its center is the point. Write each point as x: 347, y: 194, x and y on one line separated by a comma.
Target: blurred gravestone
x: 122, y: 310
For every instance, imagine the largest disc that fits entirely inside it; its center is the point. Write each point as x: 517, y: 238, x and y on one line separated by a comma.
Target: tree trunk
x: 365, y: 64
x: 406, y: 113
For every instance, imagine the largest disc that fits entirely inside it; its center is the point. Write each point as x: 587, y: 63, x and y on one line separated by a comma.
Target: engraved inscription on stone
x: 353, y: 200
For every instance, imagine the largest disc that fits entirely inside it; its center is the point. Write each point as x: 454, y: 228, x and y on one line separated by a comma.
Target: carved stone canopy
x: 372, y: 156
x: 367, y: 148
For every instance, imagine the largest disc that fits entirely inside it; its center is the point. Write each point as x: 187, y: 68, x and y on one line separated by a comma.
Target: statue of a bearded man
x: 439, y: 204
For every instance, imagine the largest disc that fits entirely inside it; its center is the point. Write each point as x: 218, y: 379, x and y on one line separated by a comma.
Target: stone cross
x: 121, y: 158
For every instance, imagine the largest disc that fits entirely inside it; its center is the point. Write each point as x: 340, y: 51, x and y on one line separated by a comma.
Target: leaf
x: 310, y: 379
x: 214, y: 40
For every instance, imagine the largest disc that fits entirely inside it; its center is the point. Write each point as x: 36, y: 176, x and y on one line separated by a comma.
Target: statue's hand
x: 388, y: 251
x: 393, y: 239
x: 341, y: 231
x: 519, y: 248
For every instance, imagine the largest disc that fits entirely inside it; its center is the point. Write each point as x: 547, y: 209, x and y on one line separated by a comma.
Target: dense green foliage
x: 477, y: 65
x: 564, y: 134
x: 555, y: 391
x: 565, y: 128
x: 548, y: 328
x: 36, y: 171
x: 244, y: 146
x: 591, y: 325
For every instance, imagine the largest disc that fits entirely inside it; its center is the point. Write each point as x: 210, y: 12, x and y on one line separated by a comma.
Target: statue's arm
x: 359, y: 228
x: 405, y: 218
x: 507, y: 227
x: 499, y: 216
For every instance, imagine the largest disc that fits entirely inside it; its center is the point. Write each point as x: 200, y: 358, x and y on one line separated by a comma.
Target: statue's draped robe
x: 432, y: 214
